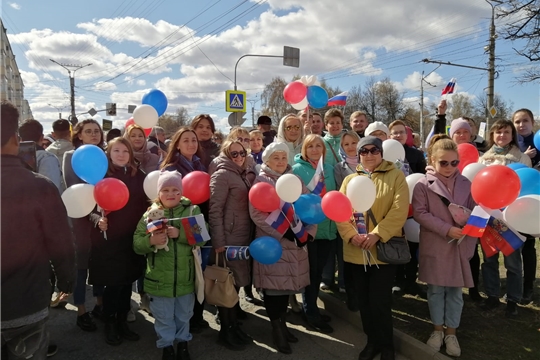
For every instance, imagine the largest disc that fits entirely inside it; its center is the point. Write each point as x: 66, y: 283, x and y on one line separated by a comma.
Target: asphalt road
x: 345, y: 342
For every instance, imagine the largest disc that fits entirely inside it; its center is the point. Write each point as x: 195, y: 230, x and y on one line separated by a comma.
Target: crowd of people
x: 112, y: 251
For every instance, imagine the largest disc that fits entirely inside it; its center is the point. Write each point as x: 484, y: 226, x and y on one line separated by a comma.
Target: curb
x: 403, y: 343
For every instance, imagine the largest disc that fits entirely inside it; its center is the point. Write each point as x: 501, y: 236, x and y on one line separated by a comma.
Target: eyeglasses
x: 398, y: 133
x: 245, y: 140
x: 234, y: 154
x: 290, y: 128
x: 445, y: 163
x: 92, y: 132
x: 373, y: 151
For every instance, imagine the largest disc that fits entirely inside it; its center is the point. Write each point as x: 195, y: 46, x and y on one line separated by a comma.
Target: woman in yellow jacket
x: 373, y: 279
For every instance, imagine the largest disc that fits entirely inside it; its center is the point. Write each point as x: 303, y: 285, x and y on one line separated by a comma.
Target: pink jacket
x: 442, y: 263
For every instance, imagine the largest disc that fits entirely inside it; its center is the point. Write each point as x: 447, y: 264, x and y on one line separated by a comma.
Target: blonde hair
x: 254, y: 133
x: 396, y: 122
x: 226, y: 150
x: 350, y: 133
x: 311, y: 138
x: 440, y: 142
x: 235, y: 132
x: 358, y: 113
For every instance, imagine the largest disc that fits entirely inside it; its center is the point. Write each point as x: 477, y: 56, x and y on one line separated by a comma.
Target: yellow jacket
x: 390, y: 209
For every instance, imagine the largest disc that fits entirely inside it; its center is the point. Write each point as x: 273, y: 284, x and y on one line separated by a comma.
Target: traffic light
x: 111, y: 109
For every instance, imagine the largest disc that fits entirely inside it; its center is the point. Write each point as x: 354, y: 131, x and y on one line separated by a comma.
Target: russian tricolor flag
x: 317, y: 185
x: 477, y: 222
x: 339, y: 99
x: 500, y: 236
x: 195, y: 229
x: 282, y: 218
x: 155, y: 225
x: 449, y: 88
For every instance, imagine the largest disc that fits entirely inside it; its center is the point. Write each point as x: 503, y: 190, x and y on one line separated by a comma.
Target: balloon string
x: 105, y: 232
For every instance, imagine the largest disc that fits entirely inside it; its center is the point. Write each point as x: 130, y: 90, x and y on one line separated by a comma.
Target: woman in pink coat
x: 444, y: 262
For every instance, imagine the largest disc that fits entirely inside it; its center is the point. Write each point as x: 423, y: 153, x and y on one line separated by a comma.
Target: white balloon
x: 412, y: 230
x: 312, y: 80
x: 523, y: 214
x: 304, y: 80
x: 150, y: 184
x: 289, y: 188
x: 362, y: 192
x: 393, y: 150
x: 301, y: 105
x: 471, y: 170
x: 145, y: 116
x: 79, y: 200
x: 412, y: 180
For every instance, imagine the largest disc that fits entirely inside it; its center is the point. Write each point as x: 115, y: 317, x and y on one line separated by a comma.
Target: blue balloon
x: 309, y: 210
x: 317, y: 97
x: 157, y: 99
x: 266, y: 250
x: 536, y: 140
x: 515, y: 166
x: 90, y: 163
x: 530, y: 181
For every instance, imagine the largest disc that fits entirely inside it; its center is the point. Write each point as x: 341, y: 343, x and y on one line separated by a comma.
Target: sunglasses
x: 240, y: 139
x: 445, y: 163
x: 234, y: 154
x: 295, y: 127
x: 373, y: 151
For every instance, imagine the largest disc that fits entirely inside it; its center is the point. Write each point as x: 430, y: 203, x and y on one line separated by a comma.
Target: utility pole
x: 71, y: 74
x: 59, y: 108
x: 491, y: 66
x: 422, y: 102
x: 253, y: 102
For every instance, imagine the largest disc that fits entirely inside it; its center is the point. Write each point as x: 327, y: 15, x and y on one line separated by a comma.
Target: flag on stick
x: 449, y: 88
x: 339, y: 99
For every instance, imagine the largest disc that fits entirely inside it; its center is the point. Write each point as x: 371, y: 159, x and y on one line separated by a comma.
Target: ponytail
x: 440, y: 142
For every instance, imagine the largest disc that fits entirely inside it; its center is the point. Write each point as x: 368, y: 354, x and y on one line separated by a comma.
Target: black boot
x: 240, y: 314
x: 168, y: 353
x: 369, y: 352
x: 112, y: 336
x: 182, y: 351
x: 288, y: 335
x: 279, y: 337
x: 227, y: 335
x: 124, y: 330
x: 244, y: 338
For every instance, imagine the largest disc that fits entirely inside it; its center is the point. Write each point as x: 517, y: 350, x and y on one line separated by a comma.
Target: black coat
x: 35, y: 233
x: 416, y: 159
x: 113, y: 261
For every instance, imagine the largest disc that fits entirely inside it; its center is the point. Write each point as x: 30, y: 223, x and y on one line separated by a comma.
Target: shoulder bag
x: 219, y: 285
x: 395, y: 251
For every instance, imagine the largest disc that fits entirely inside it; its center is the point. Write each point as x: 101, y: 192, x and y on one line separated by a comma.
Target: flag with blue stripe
x: 195, y: 229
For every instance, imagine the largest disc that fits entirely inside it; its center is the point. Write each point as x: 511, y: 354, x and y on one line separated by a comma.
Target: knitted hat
x: 169, y: 178
x: 376, y: 126
x: 369, y: 140
x: 458, y: 124
x: 272, y: 148
x: 264, y: 120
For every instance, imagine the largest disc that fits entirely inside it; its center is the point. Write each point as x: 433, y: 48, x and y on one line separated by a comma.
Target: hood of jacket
x: 60, y: 146
x: 294, y: 147
x: 383, y: 167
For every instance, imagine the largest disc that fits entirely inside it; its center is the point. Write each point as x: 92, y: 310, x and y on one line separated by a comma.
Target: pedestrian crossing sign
x: 235, y: 101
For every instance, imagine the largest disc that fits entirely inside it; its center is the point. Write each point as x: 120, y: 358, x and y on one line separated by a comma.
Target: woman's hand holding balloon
x: 103, y: 224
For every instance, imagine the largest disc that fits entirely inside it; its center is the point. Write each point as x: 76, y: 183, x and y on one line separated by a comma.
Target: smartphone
x: 27, y: 152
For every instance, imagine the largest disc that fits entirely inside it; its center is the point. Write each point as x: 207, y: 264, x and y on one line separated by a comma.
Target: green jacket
x: 302, y: 168
x: 332, y: 143
x: 168, y: 273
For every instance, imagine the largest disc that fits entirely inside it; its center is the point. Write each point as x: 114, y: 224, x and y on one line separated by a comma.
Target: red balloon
x: 111, y: 194
x: 336, y: 206
x: 495, y: 187
x: 264, y: 197
x: 295, y: 92
x: 196, y: 186
x: 468, y: 154
x: 132, y: 122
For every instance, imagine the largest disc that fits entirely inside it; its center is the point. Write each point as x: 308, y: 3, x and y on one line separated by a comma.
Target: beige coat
x: 291, y: 272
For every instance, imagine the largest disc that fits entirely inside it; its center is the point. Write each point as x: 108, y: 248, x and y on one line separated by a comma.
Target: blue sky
x: 188, y: 49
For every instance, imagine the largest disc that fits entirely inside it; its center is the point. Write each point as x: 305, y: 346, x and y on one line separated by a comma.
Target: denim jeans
x: 492, y: 282
x: 29, y: 341
x: 318, y: 255
x: 79, y: 293
x: 335, y: 252
x: 171, y: 317
x: 445, y: 305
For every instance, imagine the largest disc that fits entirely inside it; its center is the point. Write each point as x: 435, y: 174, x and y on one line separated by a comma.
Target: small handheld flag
x: 477, y: 222
x: 155, y: 225
x: 195, y: 229
x: 339, y: 99
x: 317, y: 185
x: 449, y: 88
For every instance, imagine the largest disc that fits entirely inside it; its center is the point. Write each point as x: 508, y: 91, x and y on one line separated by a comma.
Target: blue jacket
x: 302, y: 168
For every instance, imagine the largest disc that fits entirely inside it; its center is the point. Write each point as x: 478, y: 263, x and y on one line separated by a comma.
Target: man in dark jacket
x: 34, y: 233
x: 415, y: 157
x: 264, y: 124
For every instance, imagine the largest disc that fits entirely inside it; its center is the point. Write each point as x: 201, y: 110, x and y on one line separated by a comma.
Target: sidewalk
x: 404, y: 344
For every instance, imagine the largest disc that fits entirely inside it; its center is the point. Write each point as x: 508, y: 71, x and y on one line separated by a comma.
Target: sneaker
x: 321, y: 326
x: 97, y: 312
x: 491, y: 303
x: 131, y: 315
x: 324, y: 286
x: 86, y: 323
x: 436, y: 340
x: 452, y: 345
x: 396, y: 289
x: 52, y: 350
x: 342, y: 290
x: 511, y: 309
x: 527, y: 297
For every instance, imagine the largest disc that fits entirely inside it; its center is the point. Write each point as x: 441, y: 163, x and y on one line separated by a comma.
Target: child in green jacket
x: 170, y: 275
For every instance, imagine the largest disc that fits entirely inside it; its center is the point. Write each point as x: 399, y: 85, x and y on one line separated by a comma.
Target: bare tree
x: 172, y: 122
x: 390, y: 101
x: 272, y: 101
x: 504, y: 108
x: 460, y: 105
x: 523, y: 25
x: 369, y: 99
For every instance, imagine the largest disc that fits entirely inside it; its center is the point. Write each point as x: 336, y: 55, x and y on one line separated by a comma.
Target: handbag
x: 219, y: 285
x: 459, y: 213
x: 199, y: 278
x: 395, y: 251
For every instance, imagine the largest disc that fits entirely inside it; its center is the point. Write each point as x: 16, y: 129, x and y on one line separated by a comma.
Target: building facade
x: 12, y: 84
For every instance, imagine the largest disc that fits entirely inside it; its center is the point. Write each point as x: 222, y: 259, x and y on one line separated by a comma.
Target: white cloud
x: 141, y: 82
x: 105, y: 86
x: 15, y: 6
